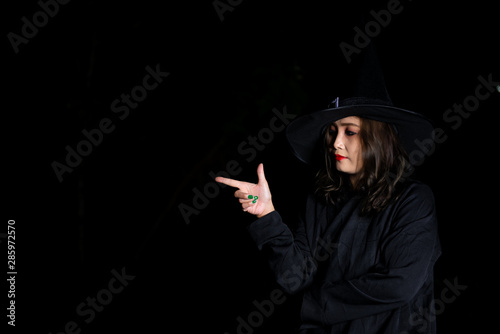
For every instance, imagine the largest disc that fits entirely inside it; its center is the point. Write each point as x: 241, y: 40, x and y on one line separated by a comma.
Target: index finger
x: 229, y: 182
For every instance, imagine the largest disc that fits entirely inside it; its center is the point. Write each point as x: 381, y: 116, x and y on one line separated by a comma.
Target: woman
x: 364, y: 251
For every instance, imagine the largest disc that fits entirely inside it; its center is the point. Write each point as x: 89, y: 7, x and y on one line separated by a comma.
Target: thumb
x: 260, y: 174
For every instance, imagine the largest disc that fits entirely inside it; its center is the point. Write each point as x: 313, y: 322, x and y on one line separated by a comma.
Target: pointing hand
x: 254, y: 198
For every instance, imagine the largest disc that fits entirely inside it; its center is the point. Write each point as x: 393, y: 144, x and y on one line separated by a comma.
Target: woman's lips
x: 339, y: 157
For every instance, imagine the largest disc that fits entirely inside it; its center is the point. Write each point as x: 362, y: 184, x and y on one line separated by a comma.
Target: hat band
x: 334, y: 103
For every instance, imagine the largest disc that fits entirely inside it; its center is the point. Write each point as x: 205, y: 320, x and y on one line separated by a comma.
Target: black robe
x: 358, y: 274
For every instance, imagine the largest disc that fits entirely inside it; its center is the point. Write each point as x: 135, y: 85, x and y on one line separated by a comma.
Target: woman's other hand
x: 254, y: 198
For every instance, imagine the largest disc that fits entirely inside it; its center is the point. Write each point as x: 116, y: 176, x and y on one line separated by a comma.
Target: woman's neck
x: 354, y: 178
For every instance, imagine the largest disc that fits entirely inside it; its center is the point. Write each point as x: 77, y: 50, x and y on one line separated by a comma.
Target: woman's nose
x: 338, y: 142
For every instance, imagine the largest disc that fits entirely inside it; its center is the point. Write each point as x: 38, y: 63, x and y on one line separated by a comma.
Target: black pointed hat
x: 368, y: 99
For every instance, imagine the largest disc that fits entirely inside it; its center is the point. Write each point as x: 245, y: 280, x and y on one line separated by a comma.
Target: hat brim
x: 415, y: 131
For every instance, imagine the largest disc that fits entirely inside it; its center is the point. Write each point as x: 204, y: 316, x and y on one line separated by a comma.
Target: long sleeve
x: 289, y: 254
x: 356, y: 271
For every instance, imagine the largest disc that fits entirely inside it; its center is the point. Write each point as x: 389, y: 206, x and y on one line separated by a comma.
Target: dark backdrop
x: 117, y: 212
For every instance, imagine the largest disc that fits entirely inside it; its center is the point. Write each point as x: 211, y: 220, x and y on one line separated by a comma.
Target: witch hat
x: 368, y: 99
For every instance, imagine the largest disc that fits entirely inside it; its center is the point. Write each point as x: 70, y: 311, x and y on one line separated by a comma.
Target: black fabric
x: 357, y: 274
x: 366, y: 97
x: 369, y: 81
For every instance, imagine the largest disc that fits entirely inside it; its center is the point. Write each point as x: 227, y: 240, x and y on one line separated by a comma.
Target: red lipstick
x: 339, y: 157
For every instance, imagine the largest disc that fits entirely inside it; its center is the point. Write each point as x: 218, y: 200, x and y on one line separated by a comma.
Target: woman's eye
x: 350, y: 133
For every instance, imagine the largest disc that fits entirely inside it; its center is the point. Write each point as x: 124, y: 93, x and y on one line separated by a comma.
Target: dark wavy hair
x: 385, y: 162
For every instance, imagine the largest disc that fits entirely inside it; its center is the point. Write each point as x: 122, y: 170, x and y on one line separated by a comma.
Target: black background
x: 119, y: 207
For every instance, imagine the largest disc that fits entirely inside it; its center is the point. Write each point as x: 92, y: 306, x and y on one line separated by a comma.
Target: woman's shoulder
x: 416, y: 197
x: 417, y: 189
x: 411, y: 193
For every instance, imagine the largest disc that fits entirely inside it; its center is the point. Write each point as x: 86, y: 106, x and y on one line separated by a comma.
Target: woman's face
x: 345, y: 145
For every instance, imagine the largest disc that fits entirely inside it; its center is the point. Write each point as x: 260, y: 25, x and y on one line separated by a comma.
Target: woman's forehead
x: 350, y: 120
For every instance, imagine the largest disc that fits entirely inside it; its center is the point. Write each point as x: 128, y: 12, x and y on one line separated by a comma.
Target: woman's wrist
x: 266, y: 211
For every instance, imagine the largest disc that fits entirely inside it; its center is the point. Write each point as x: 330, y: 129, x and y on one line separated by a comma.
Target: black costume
x: 358, y: 274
